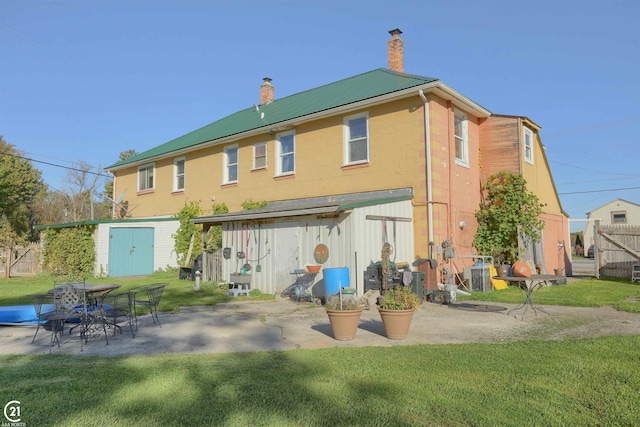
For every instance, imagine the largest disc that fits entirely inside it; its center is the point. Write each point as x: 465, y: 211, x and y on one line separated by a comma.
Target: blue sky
x: 86, y: 80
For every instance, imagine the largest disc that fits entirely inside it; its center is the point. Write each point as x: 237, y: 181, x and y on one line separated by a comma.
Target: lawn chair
x: 71, y: 306
x: 147, y: 296
x: 117, y: 306
x: 44, y: 307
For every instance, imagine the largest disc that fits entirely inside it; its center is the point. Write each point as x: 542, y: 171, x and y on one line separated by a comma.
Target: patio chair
x: 147, y: 296
x: 117, y: 306
x: 71, y: 306
x: 44, y: 307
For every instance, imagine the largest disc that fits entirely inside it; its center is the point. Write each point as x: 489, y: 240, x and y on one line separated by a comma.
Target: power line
x: 600, y: 191
x: 600, y: 126
x: 58, y: 166
x: 597, y: 180
x: 592, y: 170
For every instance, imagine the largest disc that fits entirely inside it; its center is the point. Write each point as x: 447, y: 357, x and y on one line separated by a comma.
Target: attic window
x: 618, y: 217
x: 528, y: 145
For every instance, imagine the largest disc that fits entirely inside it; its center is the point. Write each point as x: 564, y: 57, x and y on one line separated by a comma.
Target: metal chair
x: 44, y: 307
x: 71, y: 306
x: 116, y: 306
x: 147, y: 296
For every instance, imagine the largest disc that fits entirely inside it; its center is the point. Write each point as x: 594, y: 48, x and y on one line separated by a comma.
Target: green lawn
x: 179, y: 293
x: 576, y: 382
x: 619, y: 293
x: 571, y: 382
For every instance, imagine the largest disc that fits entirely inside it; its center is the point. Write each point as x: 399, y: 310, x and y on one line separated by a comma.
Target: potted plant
x: 396, y: 311
x: 344, y: 315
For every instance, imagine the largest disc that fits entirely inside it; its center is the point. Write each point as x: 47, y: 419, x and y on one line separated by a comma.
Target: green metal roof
x: 338, y: 94
x: 103, y: 221
x: 301, y: 208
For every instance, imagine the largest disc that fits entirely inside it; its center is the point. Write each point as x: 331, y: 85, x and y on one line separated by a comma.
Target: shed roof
x: 104, y: 221
x: 300, y: 208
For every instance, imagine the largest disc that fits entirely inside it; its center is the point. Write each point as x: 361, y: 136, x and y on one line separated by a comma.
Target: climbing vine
x: 506, y: 209
x: 213, y: 240
x: 188, y: 232
x: 69, y: 251
x: 249, y: 204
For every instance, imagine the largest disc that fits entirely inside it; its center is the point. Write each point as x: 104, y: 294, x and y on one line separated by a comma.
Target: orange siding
x: 499, y: 146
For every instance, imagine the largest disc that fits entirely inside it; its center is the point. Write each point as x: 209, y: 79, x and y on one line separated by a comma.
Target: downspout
x: 427, y: 147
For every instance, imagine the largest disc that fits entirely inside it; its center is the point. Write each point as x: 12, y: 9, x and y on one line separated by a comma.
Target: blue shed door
x: 130, y: 251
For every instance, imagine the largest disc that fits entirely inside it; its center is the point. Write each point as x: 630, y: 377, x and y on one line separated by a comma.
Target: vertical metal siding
x: 368, y: 236
x: 344, y: 236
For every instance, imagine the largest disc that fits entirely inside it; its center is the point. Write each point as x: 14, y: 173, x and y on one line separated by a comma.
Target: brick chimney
x: 396, y: 51
x: 266, y: 91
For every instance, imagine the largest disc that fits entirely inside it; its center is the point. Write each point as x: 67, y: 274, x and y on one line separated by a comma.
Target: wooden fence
x: 21, y: 261
x: 617, y: 249
x: 212, y: 266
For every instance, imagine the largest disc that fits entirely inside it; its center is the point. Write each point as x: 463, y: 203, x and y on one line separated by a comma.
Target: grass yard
x: 575, y: 382
x: 591, y: 292
x: 179, y: 293
x: 594, y: 381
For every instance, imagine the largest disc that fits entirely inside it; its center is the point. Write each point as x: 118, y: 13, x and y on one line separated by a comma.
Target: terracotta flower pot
x: 503, y: 270
x: 396, y: 322
x: 344, y: 323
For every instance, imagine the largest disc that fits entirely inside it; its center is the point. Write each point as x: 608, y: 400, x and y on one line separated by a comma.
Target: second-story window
x: 145, y: 177
x: 356, y: 137
x: 286, y: 153
x: 528, y: 145
x: 231, y: 164
x: 260, y: 156
x: 461, y: 136
x: 178, y: 174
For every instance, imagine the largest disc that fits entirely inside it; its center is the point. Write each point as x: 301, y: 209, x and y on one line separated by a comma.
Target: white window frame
x: 528, y: 145
x: 619, y: 213
x: 227, y: 165
x: 255, y: 156
x: 462, y: 158
x: 145, y: 169
x: 177, y: 175
x: 281, y: 156
x: 348, y: 141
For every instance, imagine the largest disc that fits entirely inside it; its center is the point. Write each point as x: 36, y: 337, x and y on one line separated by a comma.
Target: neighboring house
x: 382, y: 156
x: 133, y: 247
x: 615, y: 212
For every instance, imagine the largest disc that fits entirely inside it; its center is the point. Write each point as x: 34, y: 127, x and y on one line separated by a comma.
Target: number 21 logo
x: 12, y: 411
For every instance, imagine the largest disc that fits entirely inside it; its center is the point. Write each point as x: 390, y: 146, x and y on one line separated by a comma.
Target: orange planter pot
x: 344, y: 323
x: 396, y: 322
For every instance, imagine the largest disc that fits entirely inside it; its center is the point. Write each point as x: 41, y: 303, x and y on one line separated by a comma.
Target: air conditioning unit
x: 480, y: 279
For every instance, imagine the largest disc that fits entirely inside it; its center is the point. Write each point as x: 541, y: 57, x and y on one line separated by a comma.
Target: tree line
x: 26, y: 200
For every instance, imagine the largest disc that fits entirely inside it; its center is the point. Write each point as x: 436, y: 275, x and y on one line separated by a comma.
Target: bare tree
x: 115, y: 204
x: 80, y: 188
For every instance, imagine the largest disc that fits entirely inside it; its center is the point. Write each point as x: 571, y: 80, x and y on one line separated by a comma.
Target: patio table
x: 529, y: 285
x: 92, y: 296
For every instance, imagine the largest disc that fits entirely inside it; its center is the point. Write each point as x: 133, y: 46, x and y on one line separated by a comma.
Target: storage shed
x: 131, y: 247
x: 275, y: 244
